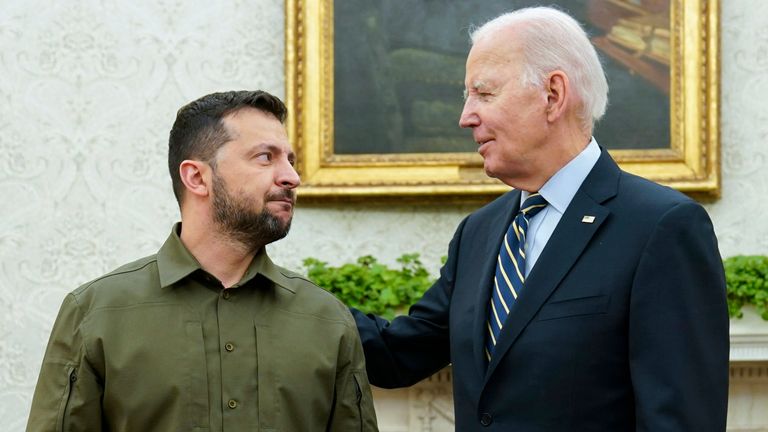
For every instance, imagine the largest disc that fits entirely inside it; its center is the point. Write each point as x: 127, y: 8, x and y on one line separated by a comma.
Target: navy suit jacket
x: 622, y: 324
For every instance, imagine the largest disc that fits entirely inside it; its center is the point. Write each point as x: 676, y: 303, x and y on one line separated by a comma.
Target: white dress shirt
x: 558, y: 191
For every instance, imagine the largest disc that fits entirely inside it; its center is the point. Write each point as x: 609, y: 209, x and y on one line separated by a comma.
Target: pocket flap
x: 575, y: 307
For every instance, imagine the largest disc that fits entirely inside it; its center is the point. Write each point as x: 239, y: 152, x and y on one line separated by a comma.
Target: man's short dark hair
x: 199, y: 130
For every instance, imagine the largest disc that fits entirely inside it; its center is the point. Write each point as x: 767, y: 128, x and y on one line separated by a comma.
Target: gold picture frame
x: 690, y: 162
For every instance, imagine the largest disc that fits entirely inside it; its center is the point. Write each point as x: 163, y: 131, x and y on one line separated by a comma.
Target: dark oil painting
x: 399, y: 71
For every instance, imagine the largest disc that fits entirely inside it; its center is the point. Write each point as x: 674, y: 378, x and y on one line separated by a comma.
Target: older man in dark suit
x: 587, y: 299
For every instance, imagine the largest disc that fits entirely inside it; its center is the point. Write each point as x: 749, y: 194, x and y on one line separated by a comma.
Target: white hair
x: 552, y: 40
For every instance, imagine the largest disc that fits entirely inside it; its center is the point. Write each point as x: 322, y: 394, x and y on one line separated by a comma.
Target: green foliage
x: 747, y: 280
x: 375, y: 288
x: 371, y: 286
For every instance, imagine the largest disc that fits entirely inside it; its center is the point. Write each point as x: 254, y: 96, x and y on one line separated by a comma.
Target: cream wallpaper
x: 89, y: 90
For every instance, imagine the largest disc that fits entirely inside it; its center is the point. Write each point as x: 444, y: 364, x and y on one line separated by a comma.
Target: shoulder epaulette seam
x: 110, y: 274
x: 297, y: 276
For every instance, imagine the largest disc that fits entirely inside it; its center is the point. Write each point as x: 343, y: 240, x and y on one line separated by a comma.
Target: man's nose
x: 287, y: 176
x: 469, y: 117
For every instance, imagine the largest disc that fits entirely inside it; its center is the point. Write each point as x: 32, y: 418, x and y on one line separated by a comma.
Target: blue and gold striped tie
x: 510, y: 270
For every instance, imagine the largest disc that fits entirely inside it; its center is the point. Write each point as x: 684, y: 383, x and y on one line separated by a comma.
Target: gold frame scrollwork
x: 691, y: 163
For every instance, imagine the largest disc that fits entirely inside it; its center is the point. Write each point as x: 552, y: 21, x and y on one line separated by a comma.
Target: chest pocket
x: 297, y: 361
x: 196, y: 377
x: 266, y: 372
x: 592, y: 305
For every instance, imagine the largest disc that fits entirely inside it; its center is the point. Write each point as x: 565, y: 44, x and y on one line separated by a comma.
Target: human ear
x: 557, y: 87
x: 194, y: 176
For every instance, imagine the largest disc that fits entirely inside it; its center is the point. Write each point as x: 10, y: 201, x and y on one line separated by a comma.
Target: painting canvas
x: 376, y: 87
x: 399, y: 68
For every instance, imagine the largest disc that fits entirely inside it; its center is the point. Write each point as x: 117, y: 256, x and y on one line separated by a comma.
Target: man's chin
x: 489, y: 171
x: 285, y: 225
x: 283, y: 220
x: 282, y: 213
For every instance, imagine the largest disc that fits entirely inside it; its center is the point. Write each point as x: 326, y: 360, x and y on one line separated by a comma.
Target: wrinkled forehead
x: 249, y: 126
x: 490, y: 57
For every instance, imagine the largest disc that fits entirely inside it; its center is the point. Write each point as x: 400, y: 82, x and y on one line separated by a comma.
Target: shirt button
x: 226, y: 295
x: 486, y: 419
x: 232, y: 404
x: 229, y: 347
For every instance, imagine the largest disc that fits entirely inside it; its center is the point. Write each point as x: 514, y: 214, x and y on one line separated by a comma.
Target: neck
x: 222, y: 257
x: 563, y: 149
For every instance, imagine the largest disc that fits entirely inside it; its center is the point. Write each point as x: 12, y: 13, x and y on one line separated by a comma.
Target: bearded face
x: 244, y: 218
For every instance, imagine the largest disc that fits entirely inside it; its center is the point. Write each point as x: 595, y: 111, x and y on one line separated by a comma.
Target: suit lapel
x: 497, y: 227
x: 562, y: 251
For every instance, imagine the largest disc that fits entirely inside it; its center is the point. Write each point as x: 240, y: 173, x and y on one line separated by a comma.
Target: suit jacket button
x: 486, y: 419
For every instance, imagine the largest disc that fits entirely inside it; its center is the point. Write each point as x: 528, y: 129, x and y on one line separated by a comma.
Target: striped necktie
x: 510, y: 270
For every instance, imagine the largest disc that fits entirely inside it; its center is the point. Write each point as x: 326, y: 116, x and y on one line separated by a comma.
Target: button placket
x: 235, y: 356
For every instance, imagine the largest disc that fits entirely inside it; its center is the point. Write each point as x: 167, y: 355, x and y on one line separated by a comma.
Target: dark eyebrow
x: 272, y: 148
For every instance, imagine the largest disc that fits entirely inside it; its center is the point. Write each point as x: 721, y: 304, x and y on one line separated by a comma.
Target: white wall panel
x: 89, y: 90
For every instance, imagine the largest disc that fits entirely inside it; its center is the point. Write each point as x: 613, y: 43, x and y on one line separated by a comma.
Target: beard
x: 236, y: 218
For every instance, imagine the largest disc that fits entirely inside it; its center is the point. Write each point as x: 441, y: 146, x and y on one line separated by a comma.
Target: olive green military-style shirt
x: 159, y: 345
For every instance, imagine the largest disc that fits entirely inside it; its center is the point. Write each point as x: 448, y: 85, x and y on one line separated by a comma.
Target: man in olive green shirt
x: 209, y: 334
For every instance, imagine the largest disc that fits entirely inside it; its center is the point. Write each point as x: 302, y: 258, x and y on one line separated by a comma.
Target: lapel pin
x: 588, y: 219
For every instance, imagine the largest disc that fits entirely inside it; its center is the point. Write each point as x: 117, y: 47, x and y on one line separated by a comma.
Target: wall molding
x: 749, y: 337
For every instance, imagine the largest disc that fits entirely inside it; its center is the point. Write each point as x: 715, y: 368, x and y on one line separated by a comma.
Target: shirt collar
x: 175, y: 262
x: 562, y: 186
